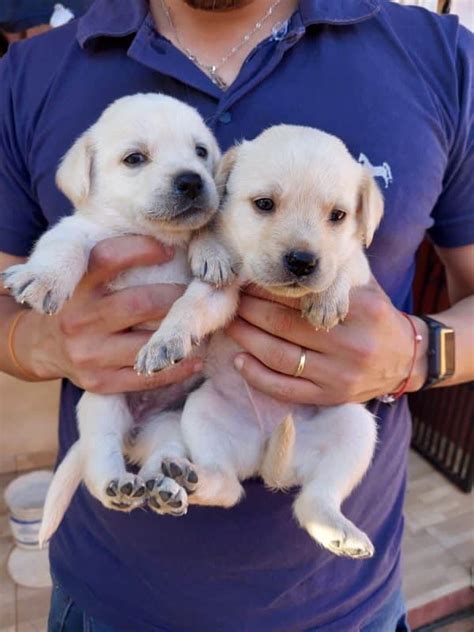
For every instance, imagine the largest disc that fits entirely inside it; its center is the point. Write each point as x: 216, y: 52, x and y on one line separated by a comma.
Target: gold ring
x: 301, y: 364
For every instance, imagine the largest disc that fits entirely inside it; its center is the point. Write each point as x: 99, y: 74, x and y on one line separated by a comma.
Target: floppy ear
x: 225, y: 167
x: 370, y: 209
x: 73, y: 177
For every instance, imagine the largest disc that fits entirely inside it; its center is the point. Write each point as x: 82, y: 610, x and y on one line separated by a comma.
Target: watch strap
x: 440, y: 352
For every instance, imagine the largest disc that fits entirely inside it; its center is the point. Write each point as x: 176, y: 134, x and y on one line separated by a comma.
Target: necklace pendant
x: 216, y: 79
x: 219, y: 82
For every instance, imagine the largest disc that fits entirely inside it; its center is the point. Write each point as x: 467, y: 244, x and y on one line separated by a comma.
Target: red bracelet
x: 389, y: 398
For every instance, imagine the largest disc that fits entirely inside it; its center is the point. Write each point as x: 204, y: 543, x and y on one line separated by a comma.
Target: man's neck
x: 210, y: 35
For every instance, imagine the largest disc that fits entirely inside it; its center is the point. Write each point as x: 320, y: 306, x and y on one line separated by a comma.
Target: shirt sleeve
x: 21, y: 218
x: 454, y: 211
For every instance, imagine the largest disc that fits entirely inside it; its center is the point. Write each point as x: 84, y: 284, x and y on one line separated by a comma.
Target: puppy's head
x: 148, y: 161
x: 297, y: 207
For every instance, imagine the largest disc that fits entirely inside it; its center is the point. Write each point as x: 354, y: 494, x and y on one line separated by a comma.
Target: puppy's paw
x: 325, y: 310
x: 44, y: 290
x: 121, y: 494
x: 161, y: 352
x: 213, y: 265
x: 333, y: 531
x: 166, y: 496
x: 182, y: 471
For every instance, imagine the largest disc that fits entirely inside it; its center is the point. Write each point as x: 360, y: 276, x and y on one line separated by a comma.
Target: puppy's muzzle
x: 300, y: 263
x: 188, y: 185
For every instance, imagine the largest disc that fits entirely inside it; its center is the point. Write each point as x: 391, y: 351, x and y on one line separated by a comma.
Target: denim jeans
x: 65, y: 616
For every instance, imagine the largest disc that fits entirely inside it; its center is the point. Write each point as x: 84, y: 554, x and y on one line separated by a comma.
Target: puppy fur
x: 229, y: 427
x: 145, y: 167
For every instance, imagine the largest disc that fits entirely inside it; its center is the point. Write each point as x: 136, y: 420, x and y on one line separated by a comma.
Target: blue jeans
x: 65, y: 616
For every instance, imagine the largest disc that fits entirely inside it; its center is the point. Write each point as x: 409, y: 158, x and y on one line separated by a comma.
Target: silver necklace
x: 212, y: 69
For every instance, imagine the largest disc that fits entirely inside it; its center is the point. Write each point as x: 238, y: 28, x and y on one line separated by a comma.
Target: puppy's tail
x: 278, y: 454
x: 63, y: 487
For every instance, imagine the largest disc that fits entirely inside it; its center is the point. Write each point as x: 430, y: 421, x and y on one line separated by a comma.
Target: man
x: 396, y: 85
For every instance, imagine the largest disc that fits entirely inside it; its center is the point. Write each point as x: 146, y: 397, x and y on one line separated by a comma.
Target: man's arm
x: 459, y: 267
x: 89, y: 341
x: 366, y: 356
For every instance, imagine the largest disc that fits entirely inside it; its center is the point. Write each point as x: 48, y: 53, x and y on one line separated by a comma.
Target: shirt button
x: 225, y: 117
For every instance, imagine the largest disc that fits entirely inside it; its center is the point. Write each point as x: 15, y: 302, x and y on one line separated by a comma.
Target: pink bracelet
x: 389, y: 398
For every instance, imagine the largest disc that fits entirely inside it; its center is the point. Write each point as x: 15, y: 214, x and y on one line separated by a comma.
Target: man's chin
x: 216, y: 5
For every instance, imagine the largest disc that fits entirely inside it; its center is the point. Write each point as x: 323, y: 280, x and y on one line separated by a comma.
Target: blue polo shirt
x: 395, y: 84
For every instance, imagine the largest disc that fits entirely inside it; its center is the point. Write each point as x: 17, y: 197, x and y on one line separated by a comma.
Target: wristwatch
x: 441, y: 352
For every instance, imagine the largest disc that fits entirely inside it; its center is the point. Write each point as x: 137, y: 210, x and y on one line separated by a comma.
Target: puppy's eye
x: 337, y: 215
x: 135, y: 159
x: 201, y: 151
x: 265, y: 204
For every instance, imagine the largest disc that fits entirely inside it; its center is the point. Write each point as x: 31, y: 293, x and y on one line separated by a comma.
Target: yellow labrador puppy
x: 145, y: 167
x: 297, y: 213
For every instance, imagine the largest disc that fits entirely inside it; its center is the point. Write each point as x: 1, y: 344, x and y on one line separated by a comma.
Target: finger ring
x: 301, y: 364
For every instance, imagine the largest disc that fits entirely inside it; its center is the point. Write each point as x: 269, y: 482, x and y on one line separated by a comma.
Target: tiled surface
x: 439, y: 552
x: 28, y: 423
x: 439, y: 536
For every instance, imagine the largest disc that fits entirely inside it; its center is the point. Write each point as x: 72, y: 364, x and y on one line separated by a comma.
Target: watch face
x: 446, y: 368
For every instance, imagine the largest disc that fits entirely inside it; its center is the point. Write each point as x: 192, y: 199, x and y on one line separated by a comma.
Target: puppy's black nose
x: 300, y: 262
x: 189, y: 184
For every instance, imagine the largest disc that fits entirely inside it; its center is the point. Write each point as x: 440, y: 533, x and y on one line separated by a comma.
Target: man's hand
x: 90, y: 341
x: 367, y: 355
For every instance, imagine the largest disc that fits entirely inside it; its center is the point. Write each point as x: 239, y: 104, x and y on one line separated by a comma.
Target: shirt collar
x: 337, y: 12
x: 119, y: 18
x: 111, y: 18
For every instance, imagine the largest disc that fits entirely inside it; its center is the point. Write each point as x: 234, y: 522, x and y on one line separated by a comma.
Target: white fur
x: 224, y: 423
x: 113, y: 199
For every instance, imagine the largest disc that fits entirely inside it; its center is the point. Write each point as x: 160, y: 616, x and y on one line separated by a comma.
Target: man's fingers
x: 281, y: 387
x: 134, y: 305
x: 112, y: 256
x: 123, y: 309
x: 282, y: 321
x: 258, y: 292
x: 126, y: 380
x: 274, y: 353
x: 120, y: 350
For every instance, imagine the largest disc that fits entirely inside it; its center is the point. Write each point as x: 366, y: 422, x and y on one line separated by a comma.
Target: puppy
x: 297, y: 213
x: 145, y: 167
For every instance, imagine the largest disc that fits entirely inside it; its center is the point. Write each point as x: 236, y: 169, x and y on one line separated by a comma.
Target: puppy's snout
x: 301, y: 262
x: 189, y: 184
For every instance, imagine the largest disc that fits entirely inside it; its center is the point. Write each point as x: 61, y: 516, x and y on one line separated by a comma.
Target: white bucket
x: 25, y: 498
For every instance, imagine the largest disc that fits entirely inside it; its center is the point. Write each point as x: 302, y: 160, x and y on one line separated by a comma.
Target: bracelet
x: 11, y: 349
x: 390, y: 398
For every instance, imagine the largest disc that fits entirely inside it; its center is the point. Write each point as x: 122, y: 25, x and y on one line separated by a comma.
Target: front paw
x: 214, y: 266
x: 325, y: 311
x: 161, y: 352
x: 42, y: 290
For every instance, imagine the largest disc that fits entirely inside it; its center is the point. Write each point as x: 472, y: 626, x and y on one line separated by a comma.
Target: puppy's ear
x: 225, y: 167
x: 370, y: 209
x: 73, y: 177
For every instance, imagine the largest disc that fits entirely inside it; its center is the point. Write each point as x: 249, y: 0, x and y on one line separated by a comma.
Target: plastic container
x: 25, y: 496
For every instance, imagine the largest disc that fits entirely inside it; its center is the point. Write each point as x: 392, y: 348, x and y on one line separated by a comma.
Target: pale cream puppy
x: 145, y: 167
x: 297, y: 213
